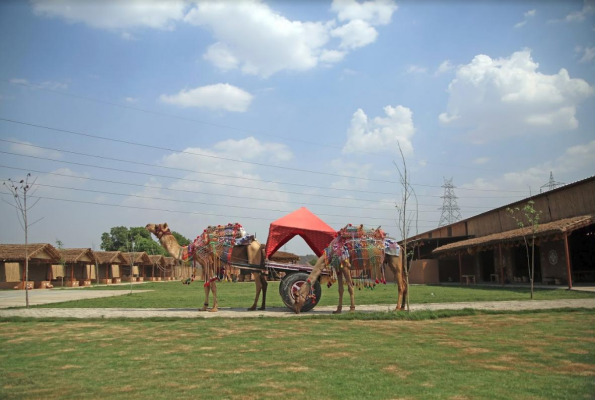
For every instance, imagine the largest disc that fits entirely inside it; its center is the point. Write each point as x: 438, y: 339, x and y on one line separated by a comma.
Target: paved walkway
x: 282, y: 312
x: 16, y: 298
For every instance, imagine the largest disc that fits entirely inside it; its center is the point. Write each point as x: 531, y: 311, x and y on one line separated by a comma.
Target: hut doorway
x: 582, y: 252
x: 486, y: 261
x: 521, y: 266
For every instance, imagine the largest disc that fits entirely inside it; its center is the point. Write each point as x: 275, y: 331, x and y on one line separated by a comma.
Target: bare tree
x: 404, y: 220
x: 528, y: 216
x: 20, y: 193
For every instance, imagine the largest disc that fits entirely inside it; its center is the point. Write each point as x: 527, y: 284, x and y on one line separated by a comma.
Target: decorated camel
x: 363, y: 251
x: 212, y: 249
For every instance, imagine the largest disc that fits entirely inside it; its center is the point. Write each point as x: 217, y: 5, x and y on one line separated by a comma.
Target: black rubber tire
x: 293, y: 281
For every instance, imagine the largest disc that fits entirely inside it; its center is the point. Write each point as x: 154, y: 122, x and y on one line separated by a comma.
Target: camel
x: 250, y: 254
x: 395, y: 263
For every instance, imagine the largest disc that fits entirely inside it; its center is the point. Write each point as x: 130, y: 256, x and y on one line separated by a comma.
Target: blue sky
x: 493, y: 94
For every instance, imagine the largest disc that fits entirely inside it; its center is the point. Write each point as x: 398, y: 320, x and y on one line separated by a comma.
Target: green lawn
x: 519, y: 355
x: 176, y: 295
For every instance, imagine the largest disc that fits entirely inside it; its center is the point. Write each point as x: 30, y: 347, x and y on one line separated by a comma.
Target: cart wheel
x: 291, y: 284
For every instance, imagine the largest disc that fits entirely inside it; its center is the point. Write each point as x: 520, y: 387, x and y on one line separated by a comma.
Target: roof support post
x: 460, y: 268
x: 501, y: 264
x: 568, y: 267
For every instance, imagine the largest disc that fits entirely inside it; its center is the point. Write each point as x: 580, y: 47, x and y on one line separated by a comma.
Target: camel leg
x: 397, y: 269
x: 264, y: 285
x: 214, y: 289
x: 341, y: 291
x: 347, y: 272
x: 258, y: 289
x: 206, y: 304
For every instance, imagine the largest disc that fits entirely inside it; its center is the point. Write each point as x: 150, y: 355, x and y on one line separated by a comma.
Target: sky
x: 200, y: 113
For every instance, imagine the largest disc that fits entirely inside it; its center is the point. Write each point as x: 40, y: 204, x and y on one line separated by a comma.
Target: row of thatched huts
x: 49, y: 267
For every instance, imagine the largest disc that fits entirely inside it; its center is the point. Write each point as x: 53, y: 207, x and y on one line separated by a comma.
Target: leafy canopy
x: 121, y: 238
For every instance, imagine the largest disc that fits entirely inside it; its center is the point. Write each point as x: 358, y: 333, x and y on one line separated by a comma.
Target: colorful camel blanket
x: 363, y: 247
x: 217, y: 240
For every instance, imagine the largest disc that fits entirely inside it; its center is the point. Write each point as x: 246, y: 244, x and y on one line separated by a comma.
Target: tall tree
x: 120, y: 238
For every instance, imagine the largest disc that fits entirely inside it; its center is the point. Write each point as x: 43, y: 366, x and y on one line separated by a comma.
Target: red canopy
x: 317, y: 234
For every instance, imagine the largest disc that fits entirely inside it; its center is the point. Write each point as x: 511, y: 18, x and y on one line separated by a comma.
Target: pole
x: 568, y: 266
x: 501, y: 264
x: 26, y: 252
x: 460, y: 268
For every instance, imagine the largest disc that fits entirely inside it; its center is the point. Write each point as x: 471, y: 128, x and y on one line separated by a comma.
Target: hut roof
x: 110, y: 257
x: 169, y: 261
x: 76, y: 255
x: 549, y: 229
x: 283, y: 256
x: 158, y: 259
x: 140, y: 258
x: 16, y: 252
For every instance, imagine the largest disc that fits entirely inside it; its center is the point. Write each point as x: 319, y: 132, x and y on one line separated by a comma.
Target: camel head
x: 300, y: 300
x: 159, y: 230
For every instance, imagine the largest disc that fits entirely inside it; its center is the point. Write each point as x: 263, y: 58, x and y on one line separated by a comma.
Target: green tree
x: 120, y: 238
x: 529, y: 217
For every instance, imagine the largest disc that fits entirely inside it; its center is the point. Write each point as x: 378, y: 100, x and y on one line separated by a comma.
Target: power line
x: 217, y: 194
x: 231, y: 176
x: 252, y: 132
x: 204, y: 203
x: 165, y: 210
x: 232, y: 159
x: 194, y: 180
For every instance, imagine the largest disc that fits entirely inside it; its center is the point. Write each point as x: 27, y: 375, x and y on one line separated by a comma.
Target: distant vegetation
x: 121, y: 238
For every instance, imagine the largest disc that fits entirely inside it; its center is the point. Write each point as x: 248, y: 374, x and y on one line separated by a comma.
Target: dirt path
x: 281, y: 312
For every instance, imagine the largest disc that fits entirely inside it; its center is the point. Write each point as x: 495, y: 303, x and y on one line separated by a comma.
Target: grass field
x: 516, y: 355
x: 176, y: 295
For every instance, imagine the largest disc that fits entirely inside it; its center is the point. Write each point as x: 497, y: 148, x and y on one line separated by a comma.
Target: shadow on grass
x: 422, y: 315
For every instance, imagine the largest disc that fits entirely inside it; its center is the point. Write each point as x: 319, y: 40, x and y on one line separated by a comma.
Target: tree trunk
x: 532, y: 264
x: 26, y: 253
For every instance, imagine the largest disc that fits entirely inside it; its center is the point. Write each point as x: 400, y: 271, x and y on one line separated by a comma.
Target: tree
x: 60, y: 246
x: 404, y: 220
x: 20, y: 192
x: 120, y: 238
x: 529, y: 217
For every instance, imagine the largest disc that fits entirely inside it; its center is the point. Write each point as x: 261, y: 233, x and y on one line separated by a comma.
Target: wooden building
x: 490, y: 247
x: 109, y: 266
x: 130, y: 269
x: 158, y: 262
x: 75, y: 267
x: 12, y: 265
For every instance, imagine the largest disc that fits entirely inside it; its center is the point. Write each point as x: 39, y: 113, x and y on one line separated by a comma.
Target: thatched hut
x: 74, y: 266
x: 12, y: 265
x: 157, y: 264
x: 285, y: 257
x: 171, y: 267
x: 109, y: 265
x: 130, y: 269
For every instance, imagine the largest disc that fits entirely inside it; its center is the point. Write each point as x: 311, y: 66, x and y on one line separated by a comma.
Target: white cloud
x: 114, y: 15
x: 381, y: 134
x: 578, y: 16
x: 255, y: 38
x: 354, y: 34
x: 377, y: 12
x: 416, y: 69
x: 588, y: 54
x: 128, y: 36
x: 481, y: 160
x: 131, y: 99
x: 356, y: 169
x: 253, y: 149
x: 575, y: 163
x: 444, y: 67
x: 219, y: 96
x: 496, y: 98
x: 332, y: 56
x: 51, y: 85
x: 527, y: 15
x: 258, y: 40
x: 27, y: 148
